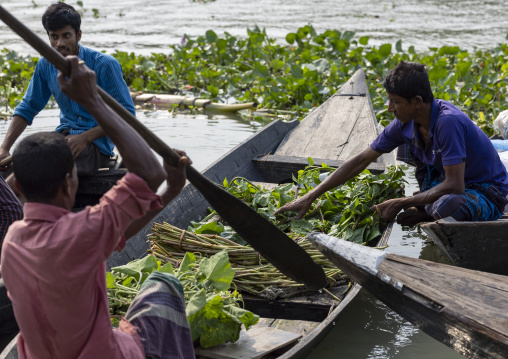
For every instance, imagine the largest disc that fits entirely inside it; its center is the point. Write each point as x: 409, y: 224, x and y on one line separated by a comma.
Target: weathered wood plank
x: 253, y: 343
x: 466, y: 310
x: 325, y: 133
x: 280, y: 169
x: 298, y: 327
x: 364, y: 129
x: 473, y: 245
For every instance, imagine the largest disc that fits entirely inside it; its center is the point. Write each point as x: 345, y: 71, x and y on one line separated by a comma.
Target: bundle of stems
x: 253, y: 275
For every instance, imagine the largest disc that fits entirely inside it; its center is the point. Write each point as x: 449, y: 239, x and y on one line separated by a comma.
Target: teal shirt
x: 74, y: 117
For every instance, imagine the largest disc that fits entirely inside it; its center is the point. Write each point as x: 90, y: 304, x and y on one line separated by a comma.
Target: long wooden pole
x: 464, y: 309
x: 261, y: 234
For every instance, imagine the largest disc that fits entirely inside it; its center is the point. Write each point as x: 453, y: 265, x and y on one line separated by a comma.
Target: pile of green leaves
x: 213, y: 311
x: 343, y: 212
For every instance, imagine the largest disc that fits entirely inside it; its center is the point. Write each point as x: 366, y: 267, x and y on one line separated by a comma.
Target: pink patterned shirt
x: 53, y: 265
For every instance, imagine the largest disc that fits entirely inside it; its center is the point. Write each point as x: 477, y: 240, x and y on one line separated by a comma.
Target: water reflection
x: 205, y: 136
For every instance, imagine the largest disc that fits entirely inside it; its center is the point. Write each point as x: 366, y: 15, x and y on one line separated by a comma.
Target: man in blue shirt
x: 91, y: 149
x: 464, y: 178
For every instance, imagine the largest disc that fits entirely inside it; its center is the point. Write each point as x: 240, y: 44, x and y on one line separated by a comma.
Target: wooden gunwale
x: 472, y: 245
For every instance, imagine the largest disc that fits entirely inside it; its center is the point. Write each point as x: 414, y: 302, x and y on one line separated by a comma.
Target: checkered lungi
x: 158, y: 314
x: 480, y: 201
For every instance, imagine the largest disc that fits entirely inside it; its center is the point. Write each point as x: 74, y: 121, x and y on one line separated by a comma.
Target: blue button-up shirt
x: 74, y: 117
x: 453, y: 139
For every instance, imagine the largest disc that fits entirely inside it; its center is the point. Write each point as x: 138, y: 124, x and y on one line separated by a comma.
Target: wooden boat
x: 340, y: 128
x: 473, y: 245
x: 464, y: 309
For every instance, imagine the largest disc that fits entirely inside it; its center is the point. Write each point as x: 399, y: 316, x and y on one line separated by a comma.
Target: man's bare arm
x: 344, y: 173
x: 16, y: 128
x: 176, y: 180
x: 79, y: 142
x: 137, y: 156
x: 453, y: 184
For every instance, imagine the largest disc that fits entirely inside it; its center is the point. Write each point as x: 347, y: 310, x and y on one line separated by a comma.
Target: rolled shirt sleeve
x: 389, y: 139
x: 36, y: 96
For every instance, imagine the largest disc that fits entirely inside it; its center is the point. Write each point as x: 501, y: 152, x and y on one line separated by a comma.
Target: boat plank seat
x: 254, y: 343
x: 281, y: 168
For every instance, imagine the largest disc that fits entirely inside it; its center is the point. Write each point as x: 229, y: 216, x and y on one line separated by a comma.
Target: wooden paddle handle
x: 6, y: 161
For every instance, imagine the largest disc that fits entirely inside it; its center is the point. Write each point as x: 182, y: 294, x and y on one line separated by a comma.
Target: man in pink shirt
x: 53, y: 261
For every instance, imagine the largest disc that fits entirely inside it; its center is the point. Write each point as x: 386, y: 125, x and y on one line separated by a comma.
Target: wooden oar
x: 262, y: 235
x: 464, y: 309
x: 6, y: 161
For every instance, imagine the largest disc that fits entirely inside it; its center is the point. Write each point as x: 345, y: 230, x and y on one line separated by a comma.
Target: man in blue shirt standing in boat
x: 90, y: 147
x: 460, y: 172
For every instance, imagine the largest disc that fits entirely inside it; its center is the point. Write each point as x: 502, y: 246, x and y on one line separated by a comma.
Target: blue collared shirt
x: 453, y: 139
x: 74, y: 117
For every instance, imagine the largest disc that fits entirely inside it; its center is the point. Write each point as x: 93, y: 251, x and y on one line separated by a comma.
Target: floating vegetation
x: 296, y: 76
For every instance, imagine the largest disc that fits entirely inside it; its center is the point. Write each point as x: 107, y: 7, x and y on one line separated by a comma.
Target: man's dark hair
x: 59, y: 15
x: 409, y: 79
x: 41, y: 162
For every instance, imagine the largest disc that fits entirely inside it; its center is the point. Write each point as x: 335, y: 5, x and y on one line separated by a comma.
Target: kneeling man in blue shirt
x: 459, y: 171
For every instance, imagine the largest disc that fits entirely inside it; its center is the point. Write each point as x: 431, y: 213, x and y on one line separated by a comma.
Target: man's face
x: 403, y: 109
x: 65, y: 40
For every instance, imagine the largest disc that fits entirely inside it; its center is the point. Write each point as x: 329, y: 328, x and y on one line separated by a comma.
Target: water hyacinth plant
x: 298, y: 75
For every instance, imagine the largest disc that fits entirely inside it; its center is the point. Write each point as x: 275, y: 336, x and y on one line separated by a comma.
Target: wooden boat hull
x: 461, y: 308
x: 473, y: 245
x: 348, y: 120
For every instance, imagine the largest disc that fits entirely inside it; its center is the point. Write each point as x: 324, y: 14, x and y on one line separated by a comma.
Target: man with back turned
x: 53, y: 261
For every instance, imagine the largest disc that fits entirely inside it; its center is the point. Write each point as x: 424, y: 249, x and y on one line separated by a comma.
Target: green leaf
x: 296, y: 71
x: 385, y: 50
x: 246, y: 317
x: 310, y: 161
x: 110, y: 280
x: 187, y: 261
x: 291, y: 37
x: 364, y: 40
x: 210, y: 228
x: 196, y: 303
x: 227, y: 329
x: 144, y: 265
x: 202, y: 319
x: 437, y: 73
x: 211, y: 36
x: 216, y: 271
x: 167, y: 268
x: 214, y: 91
x: 398, y: 46
x: 301, y: 227
x: 137, y: 84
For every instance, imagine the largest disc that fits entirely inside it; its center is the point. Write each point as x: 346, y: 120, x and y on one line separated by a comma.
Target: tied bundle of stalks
x: 254, y: 274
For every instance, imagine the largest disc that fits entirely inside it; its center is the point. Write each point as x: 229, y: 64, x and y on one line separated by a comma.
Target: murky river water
x: 367, y: 328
